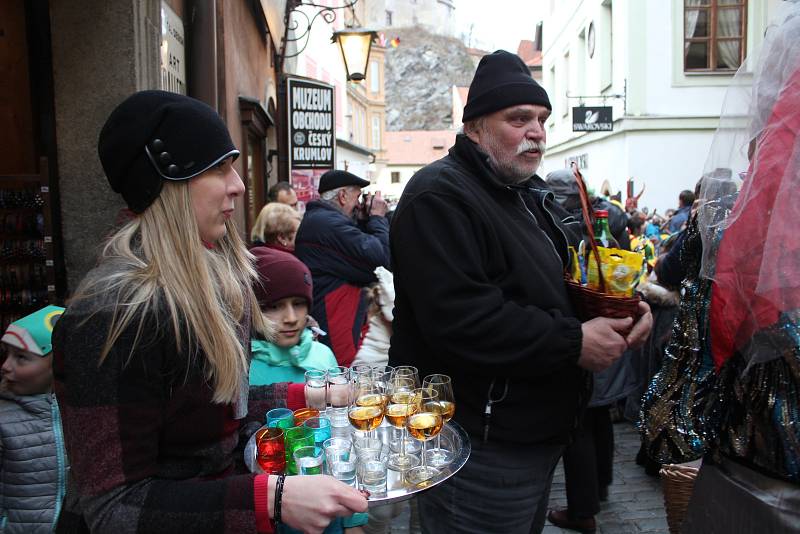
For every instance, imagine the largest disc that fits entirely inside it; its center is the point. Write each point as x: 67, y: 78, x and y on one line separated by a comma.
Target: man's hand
x: 379, y: 206
x: 310, y: 503
x: 603, y: 342
x: 641, y: 330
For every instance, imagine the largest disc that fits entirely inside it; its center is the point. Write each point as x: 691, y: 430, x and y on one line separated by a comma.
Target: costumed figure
x: 730, y: 387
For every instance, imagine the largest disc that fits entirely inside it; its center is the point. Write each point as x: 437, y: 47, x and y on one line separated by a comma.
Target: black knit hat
x: 333, y: 179
x: 154, y: 136
x: 502, y: 80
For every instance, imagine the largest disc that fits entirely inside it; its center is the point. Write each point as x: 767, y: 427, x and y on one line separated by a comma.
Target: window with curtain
x: 713, y: 35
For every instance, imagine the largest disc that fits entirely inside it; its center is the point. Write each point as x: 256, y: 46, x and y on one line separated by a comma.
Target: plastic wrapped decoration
x: 731, y: 377
x: 753, y: 257
x: 756, y: 266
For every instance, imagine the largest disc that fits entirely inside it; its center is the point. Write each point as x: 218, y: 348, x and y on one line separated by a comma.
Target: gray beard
x: 508, y: 175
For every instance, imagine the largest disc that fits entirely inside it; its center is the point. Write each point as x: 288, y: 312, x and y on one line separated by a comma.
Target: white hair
x: 331, y: 194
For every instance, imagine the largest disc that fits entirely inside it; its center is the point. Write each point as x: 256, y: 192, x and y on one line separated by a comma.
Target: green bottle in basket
x: 602, y: 233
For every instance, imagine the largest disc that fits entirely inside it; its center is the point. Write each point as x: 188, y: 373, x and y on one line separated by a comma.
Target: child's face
x: 25, y: 373
x: 290, y: 315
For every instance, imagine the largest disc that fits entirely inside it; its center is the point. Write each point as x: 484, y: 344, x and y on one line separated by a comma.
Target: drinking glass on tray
x: 439, y: 456
x: 402, y: 404
x: 424, y: 425
x: 367, y: 407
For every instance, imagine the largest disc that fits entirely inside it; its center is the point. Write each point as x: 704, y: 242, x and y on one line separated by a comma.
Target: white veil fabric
x: 751, y: 239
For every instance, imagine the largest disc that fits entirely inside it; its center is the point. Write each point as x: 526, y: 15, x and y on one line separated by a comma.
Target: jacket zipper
x: 555, y: 223
x: 60, y: 457
x: 555, y: 250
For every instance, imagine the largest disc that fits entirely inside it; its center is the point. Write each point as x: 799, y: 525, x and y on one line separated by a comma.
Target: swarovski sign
x: 592, y: 119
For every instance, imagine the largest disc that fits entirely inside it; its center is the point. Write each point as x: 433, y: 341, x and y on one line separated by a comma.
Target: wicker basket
x: 677, y: 482
x: 590, y: 303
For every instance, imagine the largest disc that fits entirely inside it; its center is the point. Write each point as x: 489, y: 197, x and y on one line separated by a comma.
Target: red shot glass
x: 270, y: 450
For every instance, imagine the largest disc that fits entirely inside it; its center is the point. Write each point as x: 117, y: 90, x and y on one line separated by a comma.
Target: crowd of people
x: 128, y: 410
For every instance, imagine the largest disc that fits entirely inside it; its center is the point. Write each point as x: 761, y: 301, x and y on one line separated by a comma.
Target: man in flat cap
x: 343, y: 240
x: 479, y: 249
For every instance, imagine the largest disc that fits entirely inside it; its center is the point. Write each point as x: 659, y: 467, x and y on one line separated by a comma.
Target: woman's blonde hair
x: 204, y: 292
x: 275, y: 220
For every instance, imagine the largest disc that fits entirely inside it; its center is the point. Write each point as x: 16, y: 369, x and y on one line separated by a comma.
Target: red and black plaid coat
x: 149, y: 450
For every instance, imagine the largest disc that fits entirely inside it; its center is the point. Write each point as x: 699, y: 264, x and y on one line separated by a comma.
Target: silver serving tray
x: 397, y: 488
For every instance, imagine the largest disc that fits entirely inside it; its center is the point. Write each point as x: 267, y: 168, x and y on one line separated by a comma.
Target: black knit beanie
x: 502, y: 80
x: 154, y: 136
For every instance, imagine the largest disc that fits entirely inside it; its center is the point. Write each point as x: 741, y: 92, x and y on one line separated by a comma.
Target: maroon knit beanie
x: 280, y: 275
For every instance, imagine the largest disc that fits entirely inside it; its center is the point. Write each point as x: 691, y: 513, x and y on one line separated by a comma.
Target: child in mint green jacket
x: 284, y: 292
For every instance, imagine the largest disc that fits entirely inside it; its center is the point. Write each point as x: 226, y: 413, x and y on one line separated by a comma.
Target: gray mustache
x: 527, y: 144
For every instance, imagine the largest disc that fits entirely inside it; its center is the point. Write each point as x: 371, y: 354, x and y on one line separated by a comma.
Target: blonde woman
x: 276, y: 227
x: 152, y: 355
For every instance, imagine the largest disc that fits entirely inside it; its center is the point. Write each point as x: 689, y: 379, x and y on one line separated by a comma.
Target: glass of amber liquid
x: 423, y: 425
x: 402, y: 405
x: 439, y: 456
x: 367, y: 407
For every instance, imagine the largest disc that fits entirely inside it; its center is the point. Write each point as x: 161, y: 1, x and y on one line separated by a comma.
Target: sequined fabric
x: 749, y: 413
x: 675, y: 408
x: 760, y: 423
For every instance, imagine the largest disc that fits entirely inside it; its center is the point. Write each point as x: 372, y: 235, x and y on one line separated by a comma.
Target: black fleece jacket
x: 480, y: 296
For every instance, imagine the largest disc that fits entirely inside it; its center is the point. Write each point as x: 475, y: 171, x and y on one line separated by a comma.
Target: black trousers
x: 503, y: 488
x: 589, y: 462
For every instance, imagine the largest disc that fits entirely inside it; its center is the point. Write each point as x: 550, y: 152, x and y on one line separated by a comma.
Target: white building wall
x: 664, y: 126
x: 352, y: 161
x: 385, y: 185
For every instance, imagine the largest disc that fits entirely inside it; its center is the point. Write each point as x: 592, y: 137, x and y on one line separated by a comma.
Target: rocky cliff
x: 420, y: 74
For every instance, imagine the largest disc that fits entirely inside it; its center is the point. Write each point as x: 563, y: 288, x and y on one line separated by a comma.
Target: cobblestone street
x: 635, y: 503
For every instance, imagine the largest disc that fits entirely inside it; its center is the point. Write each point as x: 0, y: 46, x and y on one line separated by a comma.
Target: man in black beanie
x: 479, y: 249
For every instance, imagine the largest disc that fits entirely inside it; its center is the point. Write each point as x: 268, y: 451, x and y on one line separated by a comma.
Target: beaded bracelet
x: 276, y: 508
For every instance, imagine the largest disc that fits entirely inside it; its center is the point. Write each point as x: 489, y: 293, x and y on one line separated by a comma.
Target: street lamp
x: 355, y: 45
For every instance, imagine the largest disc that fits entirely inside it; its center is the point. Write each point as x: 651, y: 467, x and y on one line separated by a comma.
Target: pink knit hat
x: 280, y: 275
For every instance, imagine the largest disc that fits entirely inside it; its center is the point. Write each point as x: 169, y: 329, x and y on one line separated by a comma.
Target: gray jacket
x: 33, y: 464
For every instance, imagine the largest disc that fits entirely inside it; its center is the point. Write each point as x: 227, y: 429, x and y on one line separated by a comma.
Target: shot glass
x: 301, y: 415
x: 337, y: 449
x: 316, y: 389
x: 340, y: 425
x: 309, y: 460
x: 280, y: 417
x: 372, y: 476
x: 339, y: 388
x: 368, y: 448
x: 344, y: 470
x: 321, y: 427
x: 270, y: 450
x: 295, y: 438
